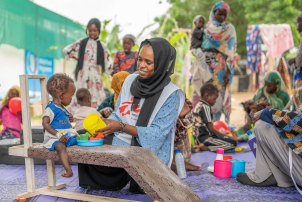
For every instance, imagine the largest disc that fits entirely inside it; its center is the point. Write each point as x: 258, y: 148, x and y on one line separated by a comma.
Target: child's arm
x: 5, y: 104
x: 46, y: 125
x: 213, y: 130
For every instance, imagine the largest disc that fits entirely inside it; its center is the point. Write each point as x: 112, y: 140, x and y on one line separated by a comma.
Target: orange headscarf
x: 117, y: 83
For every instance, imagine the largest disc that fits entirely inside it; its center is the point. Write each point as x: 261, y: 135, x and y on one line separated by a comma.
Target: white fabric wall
x: 12, y: 64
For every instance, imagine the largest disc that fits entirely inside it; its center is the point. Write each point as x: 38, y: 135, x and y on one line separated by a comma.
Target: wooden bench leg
x: 51, y: 173
x: 30, y: 174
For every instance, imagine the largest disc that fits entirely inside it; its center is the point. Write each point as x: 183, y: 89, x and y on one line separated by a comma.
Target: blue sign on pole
x: 39, y: 66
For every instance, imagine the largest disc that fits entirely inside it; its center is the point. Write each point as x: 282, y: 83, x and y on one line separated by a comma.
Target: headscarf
x: 222, y: 35
x: 151, y: 87
x: 17, y: 88
x: 117, y: 83
x: 299, y: 54
x: 277, y: 100
x: 100, y: 50
x: 129, y: 36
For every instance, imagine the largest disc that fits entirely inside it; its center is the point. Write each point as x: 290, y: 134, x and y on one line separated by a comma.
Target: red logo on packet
x: 123, y: 109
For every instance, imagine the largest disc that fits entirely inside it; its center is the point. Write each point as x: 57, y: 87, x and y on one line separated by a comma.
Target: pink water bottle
x: 220, y: 152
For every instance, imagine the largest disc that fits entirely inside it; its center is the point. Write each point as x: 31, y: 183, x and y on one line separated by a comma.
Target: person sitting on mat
x: 205, y: 135
x: 56, y: 119
x: 12, y: 122
x: 84, y: 100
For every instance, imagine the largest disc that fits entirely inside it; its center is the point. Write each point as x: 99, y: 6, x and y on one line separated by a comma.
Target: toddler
x: 84, y: 100
x: 205, y: 135
x: 56, y: 119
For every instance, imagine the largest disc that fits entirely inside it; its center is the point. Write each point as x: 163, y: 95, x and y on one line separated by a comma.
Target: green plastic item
x: 85, y: 136
x: 192, y: 140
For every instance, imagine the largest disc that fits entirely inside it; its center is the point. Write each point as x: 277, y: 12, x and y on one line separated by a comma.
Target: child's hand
x: 106, y: 111
x: 70, y: 118
x: 63, y: 138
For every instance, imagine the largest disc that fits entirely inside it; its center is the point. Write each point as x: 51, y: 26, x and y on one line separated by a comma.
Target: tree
x: 242, y: 14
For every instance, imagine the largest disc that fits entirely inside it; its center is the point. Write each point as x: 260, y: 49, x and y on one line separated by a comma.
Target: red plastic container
x: 222, y: 169
x: 225, y: 158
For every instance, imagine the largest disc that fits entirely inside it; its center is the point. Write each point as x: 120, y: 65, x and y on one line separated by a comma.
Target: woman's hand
x: 292, y: 61
x: 226, y: 78
x: 107, y: 111
x: 256, y: 117
x: 111, y: 127
x: 186, y: 108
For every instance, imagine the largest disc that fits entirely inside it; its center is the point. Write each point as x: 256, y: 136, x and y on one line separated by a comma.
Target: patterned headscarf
x: 117, y: 83
x: 17, y: 88
x: 277, y: 100
x: 222, y: 35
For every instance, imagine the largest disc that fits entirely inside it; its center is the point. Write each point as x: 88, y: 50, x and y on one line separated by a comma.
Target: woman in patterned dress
x: 219, y: 46
x: 92, y: 53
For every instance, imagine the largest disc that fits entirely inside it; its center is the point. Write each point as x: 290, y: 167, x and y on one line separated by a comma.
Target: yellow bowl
x: 93, y: 122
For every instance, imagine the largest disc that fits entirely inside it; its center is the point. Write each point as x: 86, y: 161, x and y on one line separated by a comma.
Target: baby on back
x: 84, y: 100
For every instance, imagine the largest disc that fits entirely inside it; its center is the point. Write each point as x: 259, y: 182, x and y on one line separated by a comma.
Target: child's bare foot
x: 201, y: 147
x: 67, y: 174
x: 190, y: 166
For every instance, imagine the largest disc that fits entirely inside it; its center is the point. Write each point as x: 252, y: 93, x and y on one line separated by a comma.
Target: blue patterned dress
x: 157, y: 136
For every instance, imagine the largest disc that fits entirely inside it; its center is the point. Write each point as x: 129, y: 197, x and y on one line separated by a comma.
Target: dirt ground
x: 237, y: 115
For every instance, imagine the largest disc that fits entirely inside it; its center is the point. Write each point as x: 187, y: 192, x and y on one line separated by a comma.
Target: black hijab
x: 151, y: 87
x: 100, y: 50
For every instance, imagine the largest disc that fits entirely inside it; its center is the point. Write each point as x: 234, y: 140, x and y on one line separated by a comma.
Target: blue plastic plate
x: 90, y: 143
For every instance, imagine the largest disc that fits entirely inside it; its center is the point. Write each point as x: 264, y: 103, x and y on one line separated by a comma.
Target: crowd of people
x: 149, y: 111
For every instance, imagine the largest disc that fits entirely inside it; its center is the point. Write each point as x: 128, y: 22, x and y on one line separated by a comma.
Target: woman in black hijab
x: 93, y: 55
x: 145, y: 114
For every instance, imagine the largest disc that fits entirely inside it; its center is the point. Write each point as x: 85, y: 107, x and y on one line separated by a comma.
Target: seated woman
x: 145, y: 115
x: 274, y: 93
x: 126, y: 60
x: 279, y: 146
x: 107, y: 106
x: 10, y: 134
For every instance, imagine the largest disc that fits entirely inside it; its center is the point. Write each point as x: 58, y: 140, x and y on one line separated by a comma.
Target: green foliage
x: 242, y: 14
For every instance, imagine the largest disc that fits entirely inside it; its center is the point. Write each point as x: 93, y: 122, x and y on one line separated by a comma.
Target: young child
x: 10, y: 134
x: 84, y: 100
x: 56, y: 119
x: 197, y: 32
x: 200, y: 69
x: 205, y: 135
x: 126, y: 60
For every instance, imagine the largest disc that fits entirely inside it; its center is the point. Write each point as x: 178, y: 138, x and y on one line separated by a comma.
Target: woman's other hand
x: 111, y: 127
x: 226, y: 78
x: 292, y: 61
x: 107, y: 111
x: 186, y: 108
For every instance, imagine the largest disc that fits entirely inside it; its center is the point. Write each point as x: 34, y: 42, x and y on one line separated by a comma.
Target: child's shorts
x: 71, y: 141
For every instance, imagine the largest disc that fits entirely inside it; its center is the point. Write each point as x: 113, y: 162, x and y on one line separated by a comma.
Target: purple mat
x: 208, y: 187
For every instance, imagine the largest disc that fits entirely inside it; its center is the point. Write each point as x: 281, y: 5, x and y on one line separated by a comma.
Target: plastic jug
x: 180, y: 165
